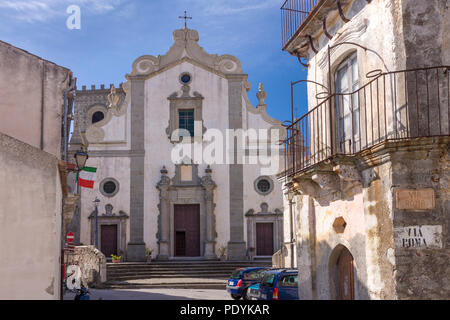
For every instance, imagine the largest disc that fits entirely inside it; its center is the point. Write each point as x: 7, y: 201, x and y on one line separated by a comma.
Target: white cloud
x: 228, y: 7
x: 40, y: 11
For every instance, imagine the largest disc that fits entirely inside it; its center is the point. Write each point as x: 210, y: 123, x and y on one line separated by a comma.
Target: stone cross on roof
x: 186, y: 18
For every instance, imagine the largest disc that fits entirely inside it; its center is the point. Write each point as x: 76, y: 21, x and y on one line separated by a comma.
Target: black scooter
x: 82, y: 294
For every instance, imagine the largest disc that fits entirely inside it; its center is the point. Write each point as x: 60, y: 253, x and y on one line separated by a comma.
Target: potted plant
x: 116, y: 259
x: 148, y: 253
x: 222, y: 253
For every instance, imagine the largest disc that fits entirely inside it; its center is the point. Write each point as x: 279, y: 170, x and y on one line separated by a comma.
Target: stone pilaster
x: 136, y: 246
x: 236, y: 245
x: 164, y: 216
x: 210, y: 241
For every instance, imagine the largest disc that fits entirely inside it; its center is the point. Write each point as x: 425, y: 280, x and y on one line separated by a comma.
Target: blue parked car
x: 279, y: 284
x: 253, y: 292
x: 241, y: 279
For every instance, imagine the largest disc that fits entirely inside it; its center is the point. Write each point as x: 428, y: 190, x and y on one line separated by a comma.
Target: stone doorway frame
x: 109, y: 218
x: 175, y: 191
x: 264, y: 216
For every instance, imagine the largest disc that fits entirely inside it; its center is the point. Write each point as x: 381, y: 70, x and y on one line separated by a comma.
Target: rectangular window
x: 186, y: 120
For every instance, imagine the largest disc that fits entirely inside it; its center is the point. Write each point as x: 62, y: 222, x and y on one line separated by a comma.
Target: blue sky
x: 115, y: 32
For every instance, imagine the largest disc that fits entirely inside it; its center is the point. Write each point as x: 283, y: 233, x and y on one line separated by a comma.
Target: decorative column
x: 164, y: 216
x: 209, y: 185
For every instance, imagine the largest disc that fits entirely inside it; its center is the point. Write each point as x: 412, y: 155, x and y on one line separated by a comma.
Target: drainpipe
x: 290, y: 195
x: 72, y: 86
x: 291, y: 222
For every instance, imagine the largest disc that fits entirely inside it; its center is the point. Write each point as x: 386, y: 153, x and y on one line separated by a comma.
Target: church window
x: 109, y: 187
x: 264, y: 185
x: 185, y: 78
x: 186, y: 120
x: 97, y: 117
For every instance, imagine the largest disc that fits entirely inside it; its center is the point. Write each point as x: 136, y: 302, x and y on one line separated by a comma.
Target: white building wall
x: 214, y: 89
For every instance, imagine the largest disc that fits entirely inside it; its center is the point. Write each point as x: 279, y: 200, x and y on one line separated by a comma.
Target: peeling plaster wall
x: 379, y: 233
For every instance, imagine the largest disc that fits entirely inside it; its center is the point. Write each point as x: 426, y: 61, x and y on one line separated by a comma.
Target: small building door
x: 108, y: 240
x: 346, y: 277
x: 264, y: 239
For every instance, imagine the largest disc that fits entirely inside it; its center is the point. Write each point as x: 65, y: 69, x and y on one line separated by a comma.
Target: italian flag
x: 86, y: 178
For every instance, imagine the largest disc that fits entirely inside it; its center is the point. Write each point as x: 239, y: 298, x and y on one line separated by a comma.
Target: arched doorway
x: 342, y: 280
x: 346, y: 276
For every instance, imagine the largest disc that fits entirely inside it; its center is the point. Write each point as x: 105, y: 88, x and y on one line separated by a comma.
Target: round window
x: 97, y: 117
x: 185, y: 78
x: 109, y: 187
x: 263, y: 185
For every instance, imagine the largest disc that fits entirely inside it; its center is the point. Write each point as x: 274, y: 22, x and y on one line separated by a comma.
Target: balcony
x: 293, y: 14
x: 392, y: 106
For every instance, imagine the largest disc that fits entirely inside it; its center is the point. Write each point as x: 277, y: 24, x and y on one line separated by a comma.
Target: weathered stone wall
x: 422, y: 251
x: 424, y: 27
x: 30, y: 222
x: 92, y: 264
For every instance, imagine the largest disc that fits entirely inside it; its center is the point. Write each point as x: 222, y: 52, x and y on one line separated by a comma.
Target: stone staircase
x: 175, y: 273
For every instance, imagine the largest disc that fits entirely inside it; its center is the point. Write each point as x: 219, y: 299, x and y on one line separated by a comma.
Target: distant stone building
x: 368, y: 166
x: 192, y: 208
x: 33, y: 190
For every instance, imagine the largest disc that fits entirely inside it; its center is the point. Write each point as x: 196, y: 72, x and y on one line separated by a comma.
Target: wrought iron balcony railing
x: 293, y: 14
x: 392, y: 106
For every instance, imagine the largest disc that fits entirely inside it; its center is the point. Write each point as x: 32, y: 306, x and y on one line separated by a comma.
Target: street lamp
x: 290, y: 197
x: 81, y: 158
x: 96, y: 201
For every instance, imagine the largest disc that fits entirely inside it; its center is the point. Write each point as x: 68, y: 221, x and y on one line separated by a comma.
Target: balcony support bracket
x: 341, y: 12
x: 327, y: 180
x: 325, y: 29
x: 311, y: 42
x: 347, y: 172
x: 305, y: 186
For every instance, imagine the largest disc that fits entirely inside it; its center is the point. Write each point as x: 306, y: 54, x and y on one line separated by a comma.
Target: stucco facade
x: 379, y: 193
x: 133, y: 144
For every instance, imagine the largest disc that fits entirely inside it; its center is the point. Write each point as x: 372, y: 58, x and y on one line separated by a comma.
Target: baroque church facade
x: 185, y: 208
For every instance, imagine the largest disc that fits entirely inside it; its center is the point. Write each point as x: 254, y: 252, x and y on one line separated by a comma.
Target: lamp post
x: 96, y: 201
x: 290, y: 196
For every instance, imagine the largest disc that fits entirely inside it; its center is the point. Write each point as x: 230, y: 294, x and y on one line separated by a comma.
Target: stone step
x: 177, y: 269
x: 140, y: 277
x: 169, y: 272
x: 189, y: 263
x: 218, y: 286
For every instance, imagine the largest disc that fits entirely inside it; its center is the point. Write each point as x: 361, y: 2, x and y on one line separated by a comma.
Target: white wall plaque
x: 418, y: 237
